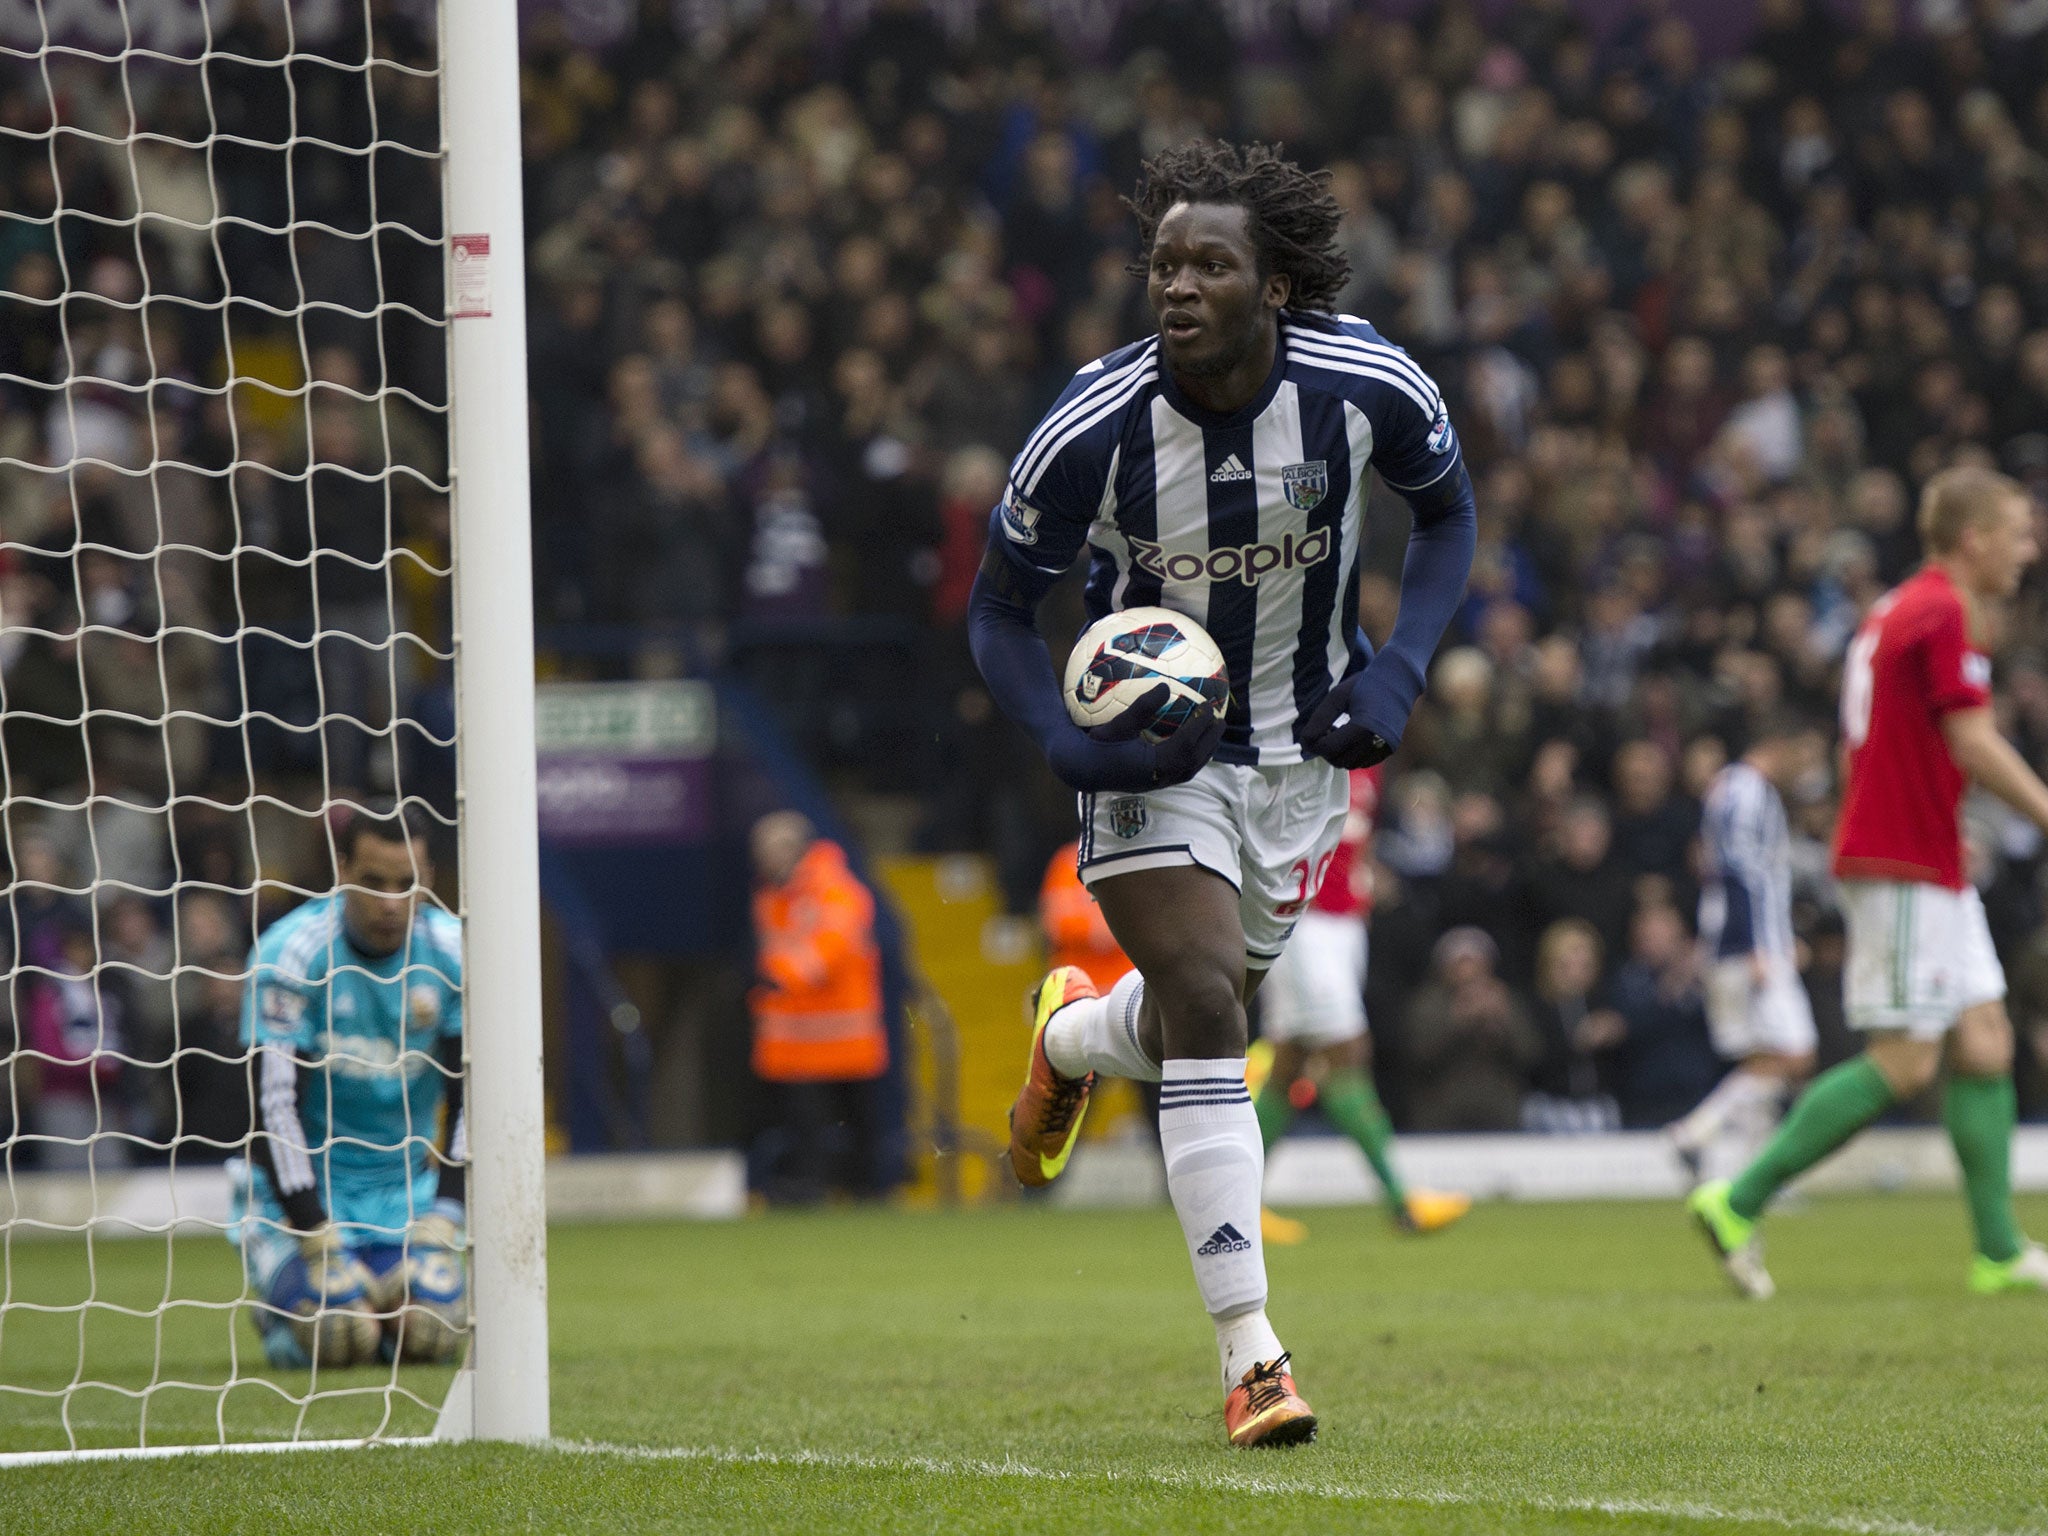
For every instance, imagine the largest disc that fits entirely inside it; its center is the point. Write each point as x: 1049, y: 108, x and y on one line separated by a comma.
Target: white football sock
x: 1215, y: 1163
x: 1733, y: 1094
x: 1745, y: 1126
x: 1245, y: 1341
x: 1101, y: 1035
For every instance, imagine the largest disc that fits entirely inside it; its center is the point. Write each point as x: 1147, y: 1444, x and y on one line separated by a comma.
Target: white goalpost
x: 264, y: 564
x: 499, y: 819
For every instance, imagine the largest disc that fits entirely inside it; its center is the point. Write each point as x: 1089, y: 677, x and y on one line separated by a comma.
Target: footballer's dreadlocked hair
x: 1292, y: 217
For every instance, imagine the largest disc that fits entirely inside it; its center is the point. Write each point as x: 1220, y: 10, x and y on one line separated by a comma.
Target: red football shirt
x: 1910, y: 664
x: 1347, y: 880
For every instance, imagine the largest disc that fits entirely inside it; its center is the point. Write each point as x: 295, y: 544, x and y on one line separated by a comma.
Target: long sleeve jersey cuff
x: 1433, y: 576
x: 1002, y: 632
x: 302, y: 1209
x: 280, y: 1146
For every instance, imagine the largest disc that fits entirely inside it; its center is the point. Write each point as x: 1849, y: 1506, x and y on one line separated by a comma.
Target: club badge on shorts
x: 1127, y: 816
x: 1305, y: 485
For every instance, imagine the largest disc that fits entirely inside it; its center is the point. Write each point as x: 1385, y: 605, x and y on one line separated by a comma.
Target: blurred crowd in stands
x: 224, y: 610
x: 1705, y: 325
x: 797, y: 293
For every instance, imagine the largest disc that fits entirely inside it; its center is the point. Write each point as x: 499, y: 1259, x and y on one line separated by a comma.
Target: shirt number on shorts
x: 1306, y: 883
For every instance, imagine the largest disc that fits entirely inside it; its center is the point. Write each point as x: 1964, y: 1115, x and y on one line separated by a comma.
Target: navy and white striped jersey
x: 1248, y: 523
x: 1746, y: 895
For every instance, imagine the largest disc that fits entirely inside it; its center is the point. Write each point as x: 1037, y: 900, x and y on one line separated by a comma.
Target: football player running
x: 1921, y: 980
x: 1757, y: 1008
x: 349, y: 1209
x: 1312, y: 1020
x: 1219, y: 469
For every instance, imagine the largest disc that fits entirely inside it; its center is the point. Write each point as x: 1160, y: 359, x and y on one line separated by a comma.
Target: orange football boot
x: 1046, y: 1119
x: 1430, y: 1210
x: 1263, y: 1409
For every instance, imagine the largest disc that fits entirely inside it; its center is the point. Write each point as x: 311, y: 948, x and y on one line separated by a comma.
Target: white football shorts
x: 1745, y: 1018
x: 1267, y: 830
x: 1918, y: 956
x: 1315, y: 994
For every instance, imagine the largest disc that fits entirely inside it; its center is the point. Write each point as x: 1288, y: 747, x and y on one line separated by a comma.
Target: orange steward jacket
x: 818, y: 1009
x: 1076, y: 932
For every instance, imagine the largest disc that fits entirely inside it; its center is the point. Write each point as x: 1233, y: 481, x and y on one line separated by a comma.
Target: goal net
x: 230, y: 312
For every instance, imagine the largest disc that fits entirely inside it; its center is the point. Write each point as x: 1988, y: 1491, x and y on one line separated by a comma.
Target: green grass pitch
x: 1539, y: 1369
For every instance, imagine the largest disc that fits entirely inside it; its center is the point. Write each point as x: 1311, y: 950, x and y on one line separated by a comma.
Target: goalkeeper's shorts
x: 277, y: 1271
x: 367, y: 1216
x: 434, y: 1280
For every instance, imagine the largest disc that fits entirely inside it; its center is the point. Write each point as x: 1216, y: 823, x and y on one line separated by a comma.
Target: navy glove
x: 1115, y: 759
x: 1360, y: 720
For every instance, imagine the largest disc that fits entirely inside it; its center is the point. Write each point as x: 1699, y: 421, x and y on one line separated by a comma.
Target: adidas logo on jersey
x: 1230, y: 469
x: 1225, y: 1239
x: 1243, y: 562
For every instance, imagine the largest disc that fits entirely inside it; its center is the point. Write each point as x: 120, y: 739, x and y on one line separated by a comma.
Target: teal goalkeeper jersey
x: 357, y: 1069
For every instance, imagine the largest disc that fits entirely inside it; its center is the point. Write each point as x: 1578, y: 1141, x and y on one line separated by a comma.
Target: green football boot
x: 1734, y: 1240
x: 2026, y: 1270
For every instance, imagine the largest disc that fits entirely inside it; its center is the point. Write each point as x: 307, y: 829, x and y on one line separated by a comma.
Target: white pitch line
x: 1205, y: 1483
x: 209, y: 1448
x: 1024, y: 1472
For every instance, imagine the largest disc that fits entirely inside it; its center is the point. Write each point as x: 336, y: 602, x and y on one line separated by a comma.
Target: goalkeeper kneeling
x: 349, y: 1208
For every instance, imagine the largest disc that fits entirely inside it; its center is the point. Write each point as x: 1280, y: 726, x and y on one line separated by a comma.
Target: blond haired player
x: 1923, y: 982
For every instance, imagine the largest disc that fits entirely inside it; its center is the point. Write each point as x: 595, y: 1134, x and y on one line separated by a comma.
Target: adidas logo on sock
x: 1225, y: 1239
x: 1228, y: 470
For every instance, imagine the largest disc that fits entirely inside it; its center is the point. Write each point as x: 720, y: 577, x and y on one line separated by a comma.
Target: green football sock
x: 1274, y: 1109
x: 1835, y: 1106
x: 1979, y: 1113
x: 1350, y: 1104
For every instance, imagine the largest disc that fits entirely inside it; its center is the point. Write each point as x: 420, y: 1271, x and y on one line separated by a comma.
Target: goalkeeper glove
x: 439, y: 1228
x: 331, y: 1325
x: 334, y: 1274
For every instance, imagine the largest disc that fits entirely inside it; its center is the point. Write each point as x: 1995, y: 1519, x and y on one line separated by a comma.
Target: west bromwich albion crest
x: 1127, y: 816
x: 1305, y: 485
